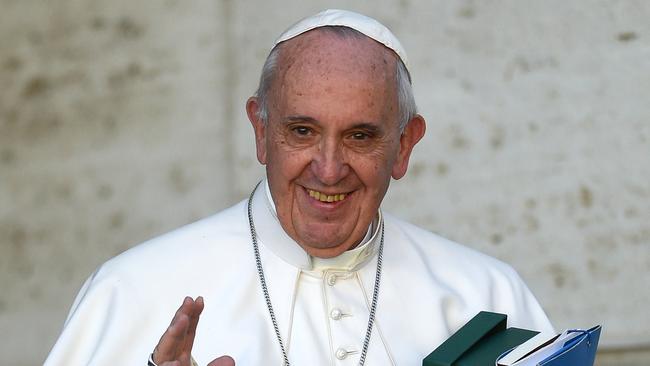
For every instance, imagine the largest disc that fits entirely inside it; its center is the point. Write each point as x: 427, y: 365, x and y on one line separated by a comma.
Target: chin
x: 321, y: 243
x: 333, y: 248
x: 327, y: 252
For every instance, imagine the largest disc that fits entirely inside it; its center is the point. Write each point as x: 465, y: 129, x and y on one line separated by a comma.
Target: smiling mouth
x: 326, y: 197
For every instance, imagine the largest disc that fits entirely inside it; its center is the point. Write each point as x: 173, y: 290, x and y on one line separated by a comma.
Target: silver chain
x: 267, y: 297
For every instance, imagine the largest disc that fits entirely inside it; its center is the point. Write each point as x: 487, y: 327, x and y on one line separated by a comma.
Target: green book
x: 479, y: 342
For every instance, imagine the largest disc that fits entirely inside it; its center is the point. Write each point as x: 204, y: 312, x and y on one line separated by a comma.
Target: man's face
x: 332, y: 141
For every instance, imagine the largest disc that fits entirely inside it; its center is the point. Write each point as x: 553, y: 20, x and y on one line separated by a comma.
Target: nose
x: 329, y: 164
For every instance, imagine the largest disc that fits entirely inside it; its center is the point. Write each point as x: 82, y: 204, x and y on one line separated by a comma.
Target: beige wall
x: 120, y: 120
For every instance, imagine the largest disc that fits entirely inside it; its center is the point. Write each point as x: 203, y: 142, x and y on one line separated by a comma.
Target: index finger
x: 193, y: 323
x: 172, y: 342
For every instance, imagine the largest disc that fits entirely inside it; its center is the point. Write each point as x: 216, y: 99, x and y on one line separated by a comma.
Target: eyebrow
x: 370, y: 127
x: 367, y: 126
x: 299, y: 118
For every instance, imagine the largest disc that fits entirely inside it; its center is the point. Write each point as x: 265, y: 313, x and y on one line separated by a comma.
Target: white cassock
x: 429, y: 288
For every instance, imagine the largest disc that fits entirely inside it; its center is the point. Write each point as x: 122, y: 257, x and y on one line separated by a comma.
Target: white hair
x: 405, y: 99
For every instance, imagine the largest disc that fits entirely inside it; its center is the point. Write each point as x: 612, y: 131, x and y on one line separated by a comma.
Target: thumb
x: 222, y: 361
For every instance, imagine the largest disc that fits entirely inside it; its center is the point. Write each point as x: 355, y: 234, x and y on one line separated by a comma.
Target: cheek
x: 374, y: 170
x: 277, y: 152
x: 376, y: 163
x: 286, y: 162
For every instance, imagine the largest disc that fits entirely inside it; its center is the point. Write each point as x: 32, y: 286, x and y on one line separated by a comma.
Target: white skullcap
x: 335, y: 17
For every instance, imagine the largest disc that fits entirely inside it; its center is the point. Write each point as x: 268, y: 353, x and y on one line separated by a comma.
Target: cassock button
x: 341, y: 354
x: 331, y: 279
x: 336, y: 314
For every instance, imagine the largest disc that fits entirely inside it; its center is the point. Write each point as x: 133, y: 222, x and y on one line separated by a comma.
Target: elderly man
x: 308, y: 270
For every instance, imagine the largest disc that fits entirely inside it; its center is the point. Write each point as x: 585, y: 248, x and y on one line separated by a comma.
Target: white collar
x: 271, y: 234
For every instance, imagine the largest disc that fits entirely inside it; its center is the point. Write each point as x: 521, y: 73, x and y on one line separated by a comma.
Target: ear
x: 259, y: 127
x: 412, y: 133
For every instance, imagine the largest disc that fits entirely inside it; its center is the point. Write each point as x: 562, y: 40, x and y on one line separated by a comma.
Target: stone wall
x: 121, y: 120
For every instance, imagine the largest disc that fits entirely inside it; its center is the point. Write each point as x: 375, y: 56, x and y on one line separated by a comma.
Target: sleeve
x: 523, y: 309
x: 106, y: 326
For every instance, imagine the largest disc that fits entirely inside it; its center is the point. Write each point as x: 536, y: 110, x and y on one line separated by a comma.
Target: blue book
x: 485, y: 340
x: 572, y: 347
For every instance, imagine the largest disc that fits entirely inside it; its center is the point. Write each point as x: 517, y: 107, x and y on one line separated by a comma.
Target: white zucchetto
x: 345, y: 18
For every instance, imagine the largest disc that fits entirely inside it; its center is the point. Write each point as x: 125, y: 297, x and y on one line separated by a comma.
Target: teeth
x: 325, y: 197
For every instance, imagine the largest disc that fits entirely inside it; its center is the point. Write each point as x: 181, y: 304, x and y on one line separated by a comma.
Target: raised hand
x: 175, y: 345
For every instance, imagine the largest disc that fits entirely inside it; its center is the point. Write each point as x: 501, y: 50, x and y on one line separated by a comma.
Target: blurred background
x: 121, y: 120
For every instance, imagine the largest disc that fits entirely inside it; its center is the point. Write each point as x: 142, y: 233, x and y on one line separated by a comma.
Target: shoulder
x: 461, y: 272
x: 437, y: 251
x: 192, y: 260
x: 142, y: 287
x: 471, y: 280
x: 214, y: 239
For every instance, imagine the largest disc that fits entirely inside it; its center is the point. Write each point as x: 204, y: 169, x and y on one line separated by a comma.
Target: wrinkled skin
x: 332, y: 129
x: 175, y: 345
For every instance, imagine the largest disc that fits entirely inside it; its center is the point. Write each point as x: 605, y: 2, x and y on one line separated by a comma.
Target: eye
x: 360, y: 136
x: 302, y: 130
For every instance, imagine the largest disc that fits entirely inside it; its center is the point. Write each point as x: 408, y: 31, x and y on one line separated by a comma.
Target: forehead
x: 324, y: 68
x: 331, y: 49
